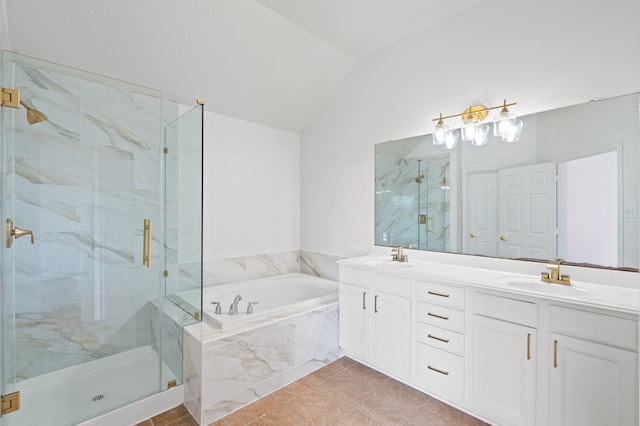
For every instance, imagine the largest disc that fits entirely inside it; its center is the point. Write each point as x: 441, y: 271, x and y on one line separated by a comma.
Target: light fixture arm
x: 504, y: 107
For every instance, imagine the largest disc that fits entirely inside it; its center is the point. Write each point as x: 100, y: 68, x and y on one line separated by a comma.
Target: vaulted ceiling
x: 273, y: 62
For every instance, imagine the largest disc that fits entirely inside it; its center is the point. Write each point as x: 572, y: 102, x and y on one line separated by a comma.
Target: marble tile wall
x: 84, y: 181
x: 242, y: 268
x: 406, y: 188
x: 226, y: 374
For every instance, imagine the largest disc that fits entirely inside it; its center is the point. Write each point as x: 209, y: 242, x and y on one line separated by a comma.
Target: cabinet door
x: 391, y: 333
x: 504, y: 370
x: 354, y: 321
x: 592, y: 384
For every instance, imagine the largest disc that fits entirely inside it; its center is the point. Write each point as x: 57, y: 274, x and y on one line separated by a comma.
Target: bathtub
x: 269, y: 298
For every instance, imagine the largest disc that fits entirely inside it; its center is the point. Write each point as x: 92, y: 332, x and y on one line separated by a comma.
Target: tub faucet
x: 218, y: 307
x: 250, y: 307
x: 233, y: 309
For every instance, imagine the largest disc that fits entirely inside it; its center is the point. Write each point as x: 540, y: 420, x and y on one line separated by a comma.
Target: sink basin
x: 387, y: 263
x: 534, y: 285
x: 553, y: 289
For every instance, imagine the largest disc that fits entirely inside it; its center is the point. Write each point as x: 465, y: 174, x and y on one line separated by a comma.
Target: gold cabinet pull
x: 364, y: 300
x: 146, y: 244
x: 438, y: 316
x: 446, y: 373
x: 529, y: 346
x: 375, y: 304
x: 433, y: 293
x: 12, y: 232
x: 438, y: 338
x: 555, y: 354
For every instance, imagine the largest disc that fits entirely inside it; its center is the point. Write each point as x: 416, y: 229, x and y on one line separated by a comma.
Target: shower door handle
x: 146, y: 243
x: 15, y: 232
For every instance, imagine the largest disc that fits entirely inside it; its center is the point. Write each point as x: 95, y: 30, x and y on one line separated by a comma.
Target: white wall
x: 251, y: 188
x: 542, y: 55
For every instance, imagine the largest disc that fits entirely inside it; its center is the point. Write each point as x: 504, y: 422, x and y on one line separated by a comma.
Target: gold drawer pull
x: 438, y: 294
x: 438, y: 316
x: 438, y: 338
x: 446, y: 373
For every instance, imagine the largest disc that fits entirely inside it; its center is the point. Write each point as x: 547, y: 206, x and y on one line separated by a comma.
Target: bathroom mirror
x: 568, y: 188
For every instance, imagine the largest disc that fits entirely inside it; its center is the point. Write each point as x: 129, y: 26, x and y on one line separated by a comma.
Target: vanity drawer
x: 441, y: 294
x: 439, y: 371
x: 352, y: 276
x: 391, y: 284
x: 440, y: 316
x: 440, y: 338
x: 596, y: 327
x: 503, y: 308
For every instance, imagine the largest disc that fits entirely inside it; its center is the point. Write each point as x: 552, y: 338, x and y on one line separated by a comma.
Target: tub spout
x: 233, y: 309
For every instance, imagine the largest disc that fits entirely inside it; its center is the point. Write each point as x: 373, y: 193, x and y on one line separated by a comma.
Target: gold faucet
x: 396, y: 255
x: 553, y: 276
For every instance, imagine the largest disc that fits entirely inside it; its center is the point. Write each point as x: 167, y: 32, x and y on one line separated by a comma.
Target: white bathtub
x: 276, y: 297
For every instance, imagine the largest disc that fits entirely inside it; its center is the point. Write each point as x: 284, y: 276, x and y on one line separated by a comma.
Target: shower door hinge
x: 166, y: 150
x: 165, y: 273
x: 172, y: 384
x: 10, y: 97
x: 10, y: 403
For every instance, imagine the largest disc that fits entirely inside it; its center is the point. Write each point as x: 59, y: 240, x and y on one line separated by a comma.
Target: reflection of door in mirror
x: 511, y: 212
x: 589, y: 209
x: 527, y: 212
x: 481, y: 214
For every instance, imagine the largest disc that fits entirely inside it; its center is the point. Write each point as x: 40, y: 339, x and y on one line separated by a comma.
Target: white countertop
x: 609, y: 295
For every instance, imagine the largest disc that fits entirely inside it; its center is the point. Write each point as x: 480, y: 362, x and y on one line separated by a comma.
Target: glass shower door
x: 81, y: 256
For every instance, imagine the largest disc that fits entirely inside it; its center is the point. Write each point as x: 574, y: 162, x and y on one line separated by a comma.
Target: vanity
x: 494, y: 340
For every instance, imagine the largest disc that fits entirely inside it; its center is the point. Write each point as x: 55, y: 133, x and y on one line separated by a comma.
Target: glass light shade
x: 481, y: 135
x: 468, y: 132
x: 502, y: 122
x: 450, y: 139
x: 439, y: 133
x: 512, y: 133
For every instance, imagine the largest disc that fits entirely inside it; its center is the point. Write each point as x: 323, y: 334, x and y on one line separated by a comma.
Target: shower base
x: 75, y: 394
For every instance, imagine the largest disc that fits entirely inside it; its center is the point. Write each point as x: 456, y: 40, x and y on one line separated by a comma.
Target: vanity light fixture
x: 505, y: 126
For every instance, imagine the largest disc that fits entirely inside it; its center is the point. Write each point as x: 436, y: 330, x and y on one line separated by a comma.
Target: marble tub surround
x: 225, y: 370
x: 319, y: 264
x: 241, y: 268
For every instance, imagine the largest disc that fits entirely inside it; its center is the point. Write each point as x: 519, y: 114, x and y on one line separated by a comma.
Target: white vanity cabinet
x: 504, y: 358
x: 439, y: 327
x: 375, y: 319
x: 594, y: 372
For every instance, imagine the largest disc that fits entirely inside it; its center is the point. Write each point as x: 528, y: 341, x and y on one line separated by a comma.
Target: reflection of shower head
x: 33, y: 115
x: 420, y: 178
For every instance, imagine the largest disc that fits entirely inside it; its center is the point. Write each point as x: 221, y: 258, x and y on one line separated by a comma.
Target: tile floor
x: 342, y: 393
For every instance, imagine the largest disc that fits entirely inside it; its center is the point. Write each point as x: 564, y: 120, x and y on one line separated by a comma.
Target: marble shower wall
x: 84, y: 181
x: 406, y: 188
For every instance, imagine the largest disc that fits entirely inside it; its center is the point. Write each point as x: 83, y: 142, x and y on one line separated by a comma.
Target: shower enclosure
x: 412, y: 200
x: 101, y: 207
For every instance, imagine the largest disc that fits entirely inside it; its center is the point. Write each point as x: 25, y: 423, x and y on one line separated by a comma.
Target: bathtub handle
x: 218, y: 307
x: 250, y: 307
x: 364, y: 300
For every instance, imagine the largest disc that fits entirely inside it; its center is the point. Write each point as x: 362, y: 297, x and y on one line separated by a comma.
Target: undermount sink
x: 387, y: 263
x: 537, y: 286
